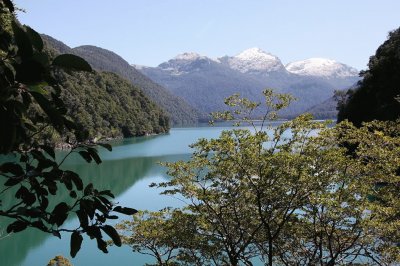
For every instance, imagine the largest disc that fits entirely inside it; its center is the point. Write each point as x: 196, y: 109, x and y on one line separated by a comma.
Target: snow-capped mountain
x: 204, y: 82
x: 186, y: 62
x: 253, y: 60
x: 321, y: 67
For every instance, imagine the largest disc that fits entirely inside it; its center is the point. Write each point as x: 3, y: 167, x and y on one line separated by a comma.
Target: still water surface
x: 127, y: 171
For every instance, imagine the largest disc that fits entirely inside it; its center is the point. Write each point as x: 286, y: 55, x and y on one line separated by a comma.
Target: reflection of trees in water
x: 116, y: 175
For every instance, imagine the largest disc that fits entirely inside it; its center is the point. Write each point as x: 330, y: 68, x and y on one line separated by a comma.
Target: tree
x: 59, y: 261
x: 30, y: 106
x: 375, y: 96
x: 289, y: 195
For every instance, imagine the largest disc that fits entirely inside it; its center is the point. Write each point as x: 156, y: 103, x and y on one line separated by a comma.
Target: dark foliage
x: 31, y: 104
x: 375, y: 97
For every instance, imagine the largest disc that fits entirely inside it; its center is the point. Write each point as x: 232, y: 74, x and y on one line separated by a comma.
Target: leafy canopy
x: 289, y: 194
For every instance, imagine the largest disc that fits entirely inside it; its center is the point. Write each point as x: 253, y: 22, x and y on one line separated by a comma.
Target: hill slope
x: 201, y: 81
x: 106, y: 104
x: 105, y: 60
x: 326, y: 109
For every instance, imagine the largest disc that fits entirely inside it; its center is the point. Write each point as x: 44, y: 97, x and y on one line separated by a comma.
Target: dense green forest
x: 107, y: 105
x: 377, y: 94
x: 177, y: 109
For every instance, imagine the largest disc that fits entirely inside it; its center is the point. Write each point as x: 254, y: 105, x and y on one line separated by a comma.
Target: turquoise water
x: 127, y: 171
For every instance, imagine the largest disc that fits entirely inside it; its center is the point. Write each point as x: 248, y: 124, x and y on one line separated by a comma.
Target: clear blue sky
x: 149, y: 32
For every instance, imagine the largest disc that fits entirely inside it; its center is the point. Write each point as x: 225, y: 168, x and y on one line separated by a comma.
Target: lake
x: 127, y: 171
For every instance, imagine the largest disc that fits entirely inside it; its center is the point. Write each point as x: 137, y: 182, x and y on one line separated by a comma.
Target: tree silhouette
x: 375, y: 97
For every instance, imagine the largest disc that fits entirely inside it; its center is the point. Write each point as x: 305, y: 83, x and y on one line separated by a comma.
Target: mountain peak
x: 254, y: 60
x: 321, y: 67
x: 254, y: 52
x: 189, y: 56
x: 186, y: 63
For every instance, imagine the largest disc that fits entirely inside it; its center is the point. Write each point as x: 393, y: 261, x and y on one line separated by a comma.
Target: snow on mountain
x: 190, y: 56
x: 186, y: 62
x: 321, y: 67
x: 205, y: 83
x: 254, y: 60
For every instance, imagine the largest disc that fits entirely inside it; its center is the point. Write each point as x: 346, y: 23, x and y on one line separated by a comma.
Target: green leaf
x: 17, y: 226
x: 22, y: 40
x: 88, y: 189
x: 67, y: 182
x: 49, y: 150
x: 102, y: 245
x: 35, y: 38
x: 38, y: 88
x: 85, y: 155
x: 125, y: 210
x: 9, y: 5
x: 12, y: 168
x: 60, y: 214
x: 72, y: 61
x: 106, y: 145
x: 12, y: 181
x: 112, y: 233
x: 76, y: 242
x: 22, y: 191
x: 93, y: 153
x: 105, y: 201
x: 73, y: 194
x: 83, y: 218
x: 51, y: 185
x: 35, y: 213
x: 107, y: 193
x: 75, y: 178
x: 88, y: 207
x: 29, y: 198
x: 41, y: 58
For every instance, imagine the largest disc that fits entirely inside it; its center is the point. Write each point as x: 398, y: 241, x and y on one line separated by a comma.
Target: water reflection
x: 115, y: 175
x: 126, y: 171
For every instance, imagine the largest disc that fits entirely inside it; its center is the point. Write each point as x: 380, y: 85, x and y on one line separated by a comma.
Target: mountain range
x: 179, y: 111
x: 204, y: 82
x: 190, y: 86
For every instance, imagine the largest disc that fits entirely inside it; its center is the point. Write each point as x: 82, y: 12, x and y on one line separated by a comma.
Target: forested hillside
x: 101, y: 59
x: 106, y: 105
x: 378, y: 93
